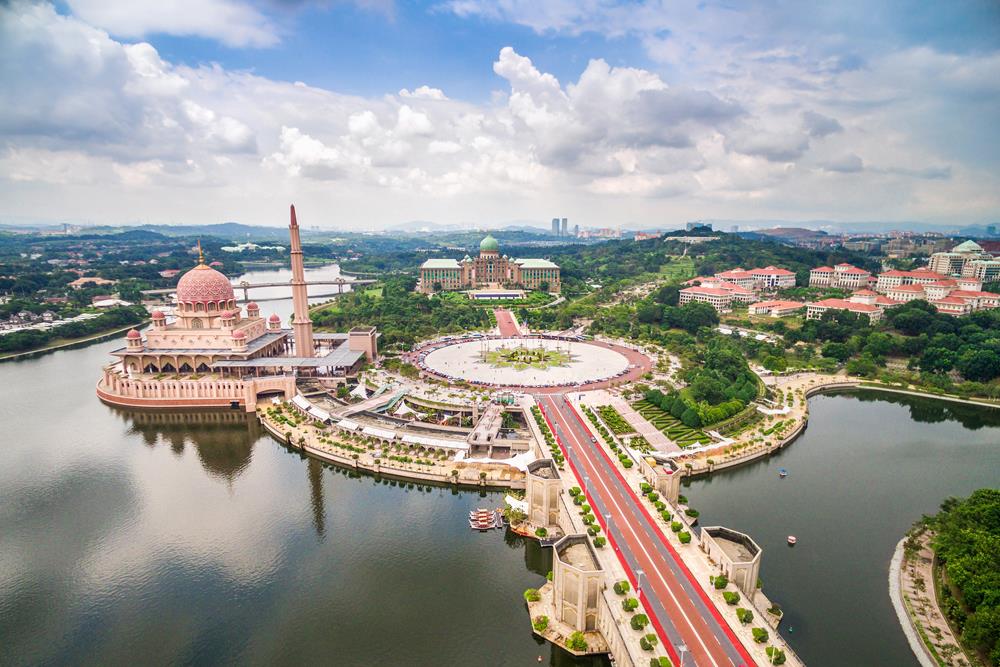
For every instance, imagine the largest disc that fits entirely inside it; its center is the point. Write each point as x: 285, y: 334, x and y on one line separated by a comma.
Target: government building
x: 489, y: 270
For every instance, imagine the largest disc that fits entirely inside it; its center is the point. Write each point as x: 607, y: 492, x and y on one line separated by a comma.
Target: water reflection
x: 932, y: 411
x: 223, y: 440
x: 315, y: 472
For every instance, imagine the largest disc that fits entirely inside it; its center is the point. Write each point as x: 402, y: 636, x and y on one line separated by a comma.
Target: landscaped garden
x: 684, y: 436
x: 614, y: 421
x: 520, y: 358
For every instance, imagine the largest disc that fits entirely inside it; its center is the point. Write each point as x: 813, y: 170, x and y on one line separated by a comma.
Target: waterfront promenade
x: 687, y: 621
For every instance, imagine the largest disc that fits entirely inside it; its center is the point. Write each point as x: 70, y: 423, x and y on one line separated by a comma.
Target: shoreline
x: 831, y: 387
x: 75, y: 341
x: 904, y: 612
x: 385, y: 469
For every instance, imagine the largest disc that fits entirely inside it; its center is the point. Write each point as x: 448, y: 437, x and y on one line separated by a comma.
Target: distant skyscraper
x: 565, y: 224
x: 991, y: 230
x: 576, y: 230
x: 555, y: 226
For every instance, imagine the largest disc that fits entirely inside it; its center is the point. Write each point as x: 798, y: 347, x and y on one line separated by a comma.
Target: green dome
x: 489, y: 244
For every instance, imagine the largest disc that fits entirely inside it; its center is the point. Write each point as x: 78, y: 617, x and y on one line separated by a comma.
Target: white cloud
x: 424, y: 92
x: 228, y: 21
x: 413, y: 123
x: 95, y: 128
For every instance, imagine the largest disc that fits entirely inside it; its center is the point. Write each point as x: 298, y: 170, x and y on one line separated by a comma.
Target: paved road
x: 506, y: 323
x: 679, y: 609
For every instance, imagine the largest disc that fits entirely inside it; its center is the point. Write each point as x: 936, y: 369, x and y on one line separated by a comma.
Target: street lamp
x: 638, y: 582
x: 682, y: 650
x: 607, y: 524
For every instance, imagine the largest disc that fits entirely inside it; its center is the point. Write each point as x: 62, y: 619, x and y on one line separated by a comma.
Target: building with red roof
x: 720, y: 299
x: 776, y: 308
x: 767, y: 278
x: 842, y: 276
x: 815, y: 310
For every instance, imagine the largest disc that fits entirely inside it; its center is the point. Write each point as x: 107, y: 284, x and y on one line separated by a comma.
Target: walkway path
x: 507, y: 323
x: 679, y: 608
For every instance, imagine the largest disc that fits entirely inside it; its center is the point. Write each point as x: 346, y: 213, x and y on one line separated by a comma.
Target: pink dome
x: 253, y: 306
x: 202, y: 284
x: 227, y: 313
x: 133, y: 334
x: 158, y: 315
x: 239, y: 335
x: 274, y: 318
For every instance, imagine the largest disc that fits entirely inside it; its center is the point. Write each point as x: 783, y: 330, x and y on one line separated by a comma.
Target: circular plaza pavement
x: 589, y: 363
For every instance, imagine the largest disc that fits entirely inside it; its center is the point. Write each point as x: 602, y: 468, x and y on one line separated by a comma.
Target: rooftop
x: 711, y: 291
x: 844, y: 304
x: 575, y: 550
x: 440, y: 264
x: 534, y: 263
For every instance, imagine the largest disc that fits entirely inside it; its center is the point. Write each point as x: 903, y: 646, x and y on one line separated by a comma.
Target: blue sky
x: 372, y: 112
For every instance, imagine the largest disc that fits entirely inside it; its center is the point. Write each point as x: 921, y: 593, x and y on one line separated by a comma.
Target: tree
x: 937, y: 360
x: 543, y: 286
x: 690, y: 418
x: 838, y: 351
x: 979, y: 365
x: 649, y: 313
x: 865, y: 366
x: 576, y: 642
x: 695, y: 315
x: 912, y: 318
x: 668, y: 295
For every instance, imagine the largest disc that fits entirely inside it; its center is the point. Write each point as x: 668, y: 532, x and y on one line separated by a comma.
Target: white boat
x: 792, y: 540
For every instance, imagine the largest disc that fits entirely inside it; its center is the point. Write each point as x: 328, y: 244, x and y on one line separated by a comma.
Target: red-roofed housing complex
x: 896, y: 278
x: 843, y: 276
x: 952, y: 297
x: 769, y: 277
x: 718, y: 298
x: 776, y: 308
x: 816, y: 309
x: 719, y: 293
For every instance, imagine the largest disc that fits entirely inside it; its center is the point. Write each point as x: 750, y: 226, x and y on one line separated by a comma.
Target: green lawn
x: 679, y: 269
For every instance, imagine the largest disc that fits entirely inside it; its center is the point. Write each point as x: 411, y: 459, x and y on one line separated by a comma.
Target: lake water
x: 868, y: 466
x: 165, y: 538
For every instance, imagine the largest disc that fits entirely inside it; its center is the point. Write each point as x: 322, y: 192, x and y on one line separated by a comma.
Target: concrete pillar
x: 577, y: 579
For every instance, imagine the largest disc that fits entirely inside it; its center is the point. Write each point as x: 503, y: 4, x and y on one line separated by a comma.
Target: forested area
x: 115, y: 318
x: 402, y: 315
x: 967, y: 544
x: 618, y: 260
x: 719, y: 385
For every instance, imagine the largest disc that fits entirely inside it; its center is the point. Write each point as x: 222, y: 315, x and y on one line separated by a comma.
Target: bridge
x: 247, y: 286
x: 684, y: 617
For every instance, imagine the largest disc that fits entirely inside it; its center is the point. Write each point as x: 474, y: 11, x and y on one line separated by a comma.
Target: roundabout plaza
x: 537, y: 364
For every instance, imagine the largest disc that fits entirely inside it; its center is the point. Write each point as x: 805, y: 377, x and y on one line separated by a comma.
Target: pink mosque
x: 213, y: 355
